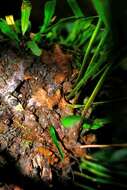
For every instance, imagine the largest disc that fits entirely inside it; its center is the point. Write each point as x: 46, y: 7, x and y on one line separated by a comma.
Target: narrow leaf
x: 55, y: 140
x: 102, y: 8
x: 75, y: 8
x: 96, y: 89
x: 25, y: 14
x: 100, y: 122
x: 49, y: 10
x: 34, y: 48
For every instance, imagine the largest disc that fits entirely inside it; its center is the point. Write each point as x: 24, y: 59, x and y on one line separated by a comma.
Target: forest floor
x: 32, y: 98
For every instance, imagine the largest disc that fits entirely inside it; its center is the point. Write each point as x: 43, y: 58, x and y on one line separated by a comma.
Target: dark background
x: 8, y: 7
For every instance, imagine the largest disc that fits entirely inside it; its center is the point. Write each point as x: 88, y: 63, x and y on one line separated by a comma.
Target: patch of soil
x: 32, y: 98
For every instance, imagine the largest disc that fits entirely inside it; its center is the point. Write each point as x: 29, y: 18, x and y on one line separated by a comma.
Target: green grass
x: 105, y: 168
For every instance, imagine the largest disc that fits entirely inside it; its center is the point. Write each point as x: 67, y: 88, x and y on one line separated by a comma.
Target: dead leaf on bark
x: 42, y: 98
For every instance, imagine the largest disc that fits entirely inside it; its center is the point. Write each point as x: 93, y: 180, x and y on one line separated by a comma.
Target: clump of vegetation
x: 85, y: 41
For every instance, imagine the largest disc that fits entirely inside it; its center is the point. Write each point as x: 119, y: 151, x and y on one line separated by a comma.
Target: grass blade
x: 98, y: 49
x: 55, y: 141
x: 49, y: 11
x: 75, y: 8
x: 96, y: 90
x: 25, y: 14
x: 102, y: 8
x: 93, y: 37
x: 78, y: 24
x: 92, y: 68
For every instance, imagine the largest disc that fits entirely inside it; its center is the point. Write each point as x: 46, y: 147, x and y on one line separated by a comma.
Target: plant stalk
x: 95, y: 91
x: 84, y: 65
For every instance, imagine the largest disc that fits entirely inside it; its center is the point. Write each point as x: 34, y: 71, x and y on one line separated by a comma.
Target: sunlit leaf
x: 97, y: 123
x: 100, y: 122
x: 55, y: 140
x: 16, y: 25
x: 34, y: 48
x: 25, y: 14
x: 8, y: 30
x: 10, y: 20
x: 86, y: 126
x: 70, y: 121
x: 49, y: 10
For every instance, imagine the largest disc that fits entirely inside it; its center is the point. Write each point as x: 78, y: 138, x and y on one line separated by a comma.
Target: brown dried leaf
x: 42, y: 98
x: 62, y: 60
x: 59, y: 78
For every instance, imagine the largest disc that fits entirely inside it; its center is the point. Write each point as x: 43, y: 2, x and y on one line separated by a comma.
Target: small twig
x: 109, y: 101
x: 103, y: 145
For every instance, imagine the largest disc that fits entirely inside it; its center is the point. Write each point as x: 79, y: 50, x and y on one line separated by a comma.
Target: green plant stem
x: 100, y: 71
x: 76, y: 89
x: 109, y: 101
x: 95, y: 91
x: 83, y: 186
x: 82, y: 81
x: 88, y: 50
x: 101, y: 43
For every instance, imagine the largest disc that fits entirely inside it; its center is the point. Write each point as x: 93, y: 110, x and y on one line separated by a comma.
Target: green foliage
x: 103, y: 10
x: 73, y: 120
x: 96, y: 89
x: 100, y: 122
x: 34, y: 48
x: 95, y: 168
x: 23, y: 25
x: 107, y: 167
x: 25, y: 14
x: 75, y: 8
x: 8, y: 30
x: 49, y: 11
x: 97, y: 123
x: 78, y: 24
x: 88, y: 70
x: 70, y: 121
x: 55, y: 141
